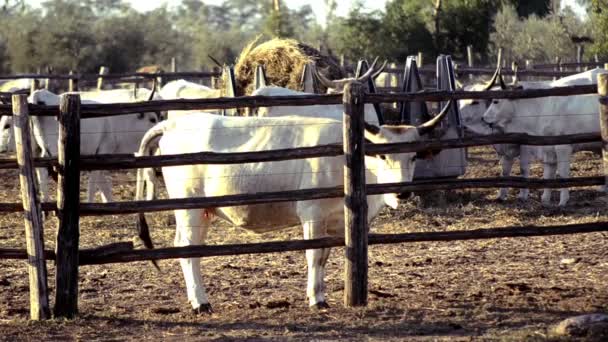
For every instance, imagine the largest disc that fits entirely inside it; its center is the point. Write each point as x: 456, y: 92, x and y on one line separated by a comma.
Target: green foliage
x: 534, y: 38
x: 599, y: 22
x: 358, y: 35
x: 83, y: 35
x: 404, y: 30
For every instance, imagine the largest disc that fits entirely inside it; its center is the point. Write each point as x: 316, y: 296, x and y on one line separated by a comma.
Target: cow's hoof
x: 203, y: 309
x: 320, y: 306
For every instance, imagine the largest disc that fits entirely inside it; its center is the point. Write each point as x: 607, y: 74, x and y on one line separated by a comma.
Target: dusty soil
x: 507, y: 289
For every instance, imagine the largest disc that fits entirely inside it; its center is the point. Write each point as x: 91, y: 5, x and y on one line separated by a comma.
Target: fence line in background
x: 105, y: 110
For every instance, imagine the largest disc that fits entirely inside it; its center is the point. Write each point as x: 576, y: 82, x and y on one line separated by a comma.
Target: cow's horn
x: 379, y: 71
x: 493, y: 80
x: 428, y: 126
x: 325, y: 81
x: 154, y: 85
x: 503, y: 85
x: 369, y: 72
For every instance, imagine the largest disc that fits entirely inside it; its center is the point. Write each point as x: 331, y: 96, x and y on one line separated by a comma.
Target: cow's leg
x: 42, y: 174
x: 563, y: 153
x: 525, y: 158
x: 316, y: 259
x: 92, y: 186
x: 549, y: 167
x: 43, y: 183
x: 105, y: 186
x: 506, y: 164
x: 191, y: 229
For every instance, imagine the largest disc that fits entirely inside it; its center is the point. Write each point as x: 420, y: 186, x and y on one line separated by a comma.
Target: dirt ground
x: 501, y: 289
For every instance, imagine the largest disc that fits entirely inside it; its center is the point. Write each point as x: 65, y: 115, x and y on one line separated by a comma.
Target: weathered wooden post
x: 558, y: 66
x: 515, y: 69
x: 215, y: 80
x: 579, y: 56
x: 173, y: 64
x: 34, y: 85
x: 34, y: 237
x: 470, y: 59
x: 68, y: 203
x: 355, y: 200
x: 102, y: 71
x: 602, y: 90
x: 73, y: 82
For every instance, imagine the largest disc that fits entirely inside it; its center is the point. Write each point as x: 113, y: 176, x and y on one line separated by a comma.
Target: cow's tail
x: 146, y: 178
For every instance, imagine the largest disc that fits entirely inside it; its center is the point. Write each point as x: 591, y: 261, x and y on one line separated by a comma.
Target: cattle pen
x: 68, y: 207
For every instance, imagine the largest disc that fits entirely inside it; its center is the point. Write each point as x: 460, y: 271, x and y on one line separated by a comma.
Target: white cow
x: 325, y: 111
x: 471, y: 113
x: 213, y: 133
x: 116, y: 134
x: 15, y: 85
x: 182, y: 89
x: 550, y: 116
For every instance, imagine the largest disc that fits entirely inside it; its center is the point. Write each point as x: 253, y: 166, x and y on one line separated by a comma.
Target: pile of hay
x: 284, y: 60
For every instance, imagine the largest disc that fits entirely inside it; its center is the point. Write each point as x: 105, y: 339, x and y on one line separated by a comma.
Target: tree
x: 534, y: 38
x: 599, y: 22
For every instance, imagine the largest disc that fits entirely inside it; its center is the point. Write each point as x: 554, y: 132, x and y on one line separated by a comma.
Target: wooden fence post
x: 34, y: 85
x: 68, y: 202
x: 215, y: 80
x: 355, y: 200
x: 602, y: 90
x: 102, y: 71
x: 34, y: 237
x: 73, y: 83
x: 470, y: 59
x: 579, y: 56
x: 173, y: 64
x: 558, y: 66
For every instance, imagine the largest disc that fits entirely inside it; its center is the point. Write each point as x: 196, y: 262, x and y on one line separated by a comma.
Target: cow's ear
x: 140, y: 116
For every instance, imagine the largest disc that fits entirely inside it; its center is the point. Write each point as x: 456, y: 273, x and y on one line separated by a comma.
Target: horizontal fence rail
x: 110, y: 162
x: 92, y: 76
x: 128, y: 161
x: 103, y: 110
x: 124, y: 252
x: 131, y: 207
x: 490, y: 71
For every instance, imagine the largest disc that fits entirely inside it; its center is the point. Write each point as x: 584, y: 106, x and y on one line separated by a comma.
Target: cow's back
x: 210, y: 133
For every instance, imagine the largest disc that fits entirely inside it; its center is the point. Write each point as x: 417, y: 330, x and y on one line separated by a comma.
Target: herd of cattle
x: 290, y: 127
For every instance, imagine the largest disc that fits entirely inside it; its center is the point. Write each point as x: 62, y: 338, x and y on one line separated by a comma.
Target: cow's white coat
x: 212, y: 133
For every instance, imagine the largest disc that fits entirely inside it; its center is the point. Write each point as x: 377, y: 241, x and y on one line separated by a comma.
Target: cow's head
x: 398, y: 167
x: 337, y: 86
x: 499, y: 114
x: 472, y: 110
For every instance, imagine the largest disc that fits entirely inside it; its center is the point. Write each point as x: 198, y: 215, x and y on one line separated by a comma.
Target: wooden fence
x: 536, y: 70
x: 356, y: 239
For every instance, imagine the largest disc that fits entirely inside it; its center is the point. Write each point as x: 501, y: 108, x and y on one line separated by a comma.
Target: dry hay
x: 284, y: 60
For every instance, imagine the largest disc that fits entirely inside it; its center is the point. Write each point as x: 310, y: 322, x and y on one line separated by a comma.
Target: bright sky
x: 317, y: 5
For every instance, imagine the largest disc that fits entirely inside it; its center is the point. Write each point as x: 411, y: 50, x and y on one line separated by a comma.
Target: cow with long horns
x: 212, y: 133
